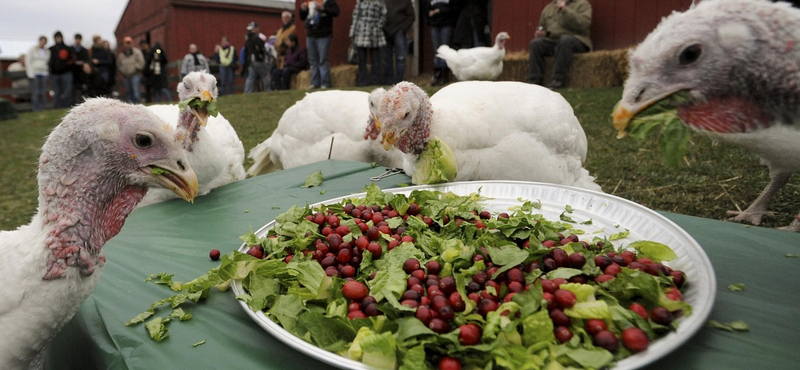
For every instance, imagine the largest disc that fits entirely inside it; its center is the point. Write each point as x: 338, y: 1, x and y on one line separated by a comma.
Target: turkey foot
x: 758, y: 209
x: 794, y: 226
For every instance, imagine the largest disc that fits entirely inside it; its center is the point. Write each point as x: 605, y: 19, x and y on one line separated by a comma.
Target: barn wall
x: 615, y: 24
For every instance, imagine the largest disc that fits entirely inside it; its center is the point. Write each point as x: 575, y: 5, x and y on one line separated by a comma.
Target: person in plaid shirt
x: 366, y: 32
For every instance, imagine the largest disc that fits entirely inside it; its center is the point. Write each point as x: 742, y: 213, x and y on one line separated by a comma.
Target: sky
x: 23, y: 21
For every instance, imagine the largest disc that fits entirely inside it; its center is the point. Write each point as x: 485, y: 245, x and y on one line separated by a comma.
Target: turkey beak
x: 177, y: 176
x: 625, y: 112
x: 377, y: 123
x: 201, y: 114
x: 388, y: 140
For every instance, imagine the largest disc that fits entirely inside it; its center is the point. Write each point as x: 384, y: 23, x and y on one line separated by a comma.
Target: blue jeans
x: 225, y: 80
x: 399, y: 43
x: 318, y: 58
x: 260, y: 71
x: 162, y: 95
x: 133, y: 94
x: 62, y: 90
x: 440, y: 36
x: 38, y: 91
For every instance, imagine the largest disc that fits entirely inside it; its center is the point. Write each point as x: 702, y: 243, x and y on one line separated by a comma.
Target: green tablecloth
x: 176, y: 236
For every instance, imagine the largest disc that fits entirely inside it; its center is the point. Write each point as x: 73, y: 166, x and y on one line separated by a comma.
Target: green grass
x: 713, y: 178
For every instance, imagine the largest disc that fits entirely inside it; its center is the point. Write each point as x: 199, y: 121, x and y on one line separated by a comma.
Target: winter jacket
x: 323, y: 28
x: 296, y: 59
x: 193, y: 63
x: 399, y: 17
x: 62, y: 58
x: 448, y: 12
x: 575, y: 19
x: 130, y: 63
x: 281, y: 36
x: 369, y: 17
x: 36, y: 62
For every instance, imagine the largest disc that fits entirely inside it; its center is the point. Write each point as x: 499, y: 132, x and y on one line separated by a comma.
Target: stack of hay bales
x: 604, y: 68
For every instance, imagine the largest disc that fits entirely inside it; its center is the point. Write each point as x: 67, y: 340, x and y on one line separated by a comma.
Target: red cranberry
x: 446, y: 313
x: 438, y: 325
x: 612, y: 269
x: 486, y: 305
x: 354, y: 290
x: 563, y: 334
x: 594, y: 326
x: 410, y: 265
x: 256, y: 251
x: 635, y: 339
x: 447, y: 284
x: 559, y: 317
x: 413, y: 209
x: 565, y: 298
x: 603, y: 278
x: 356, y: 315
x: 424, y: 314
x: 639, y: 309
x: 469, y: 334
x: 607, y: 340
x: 480, y: 277
x: 577, y: 260
x: 456, y: 302
x: 602, y: 261
x: 549, y: 244
x: 348, y: 271
x: 661, y: 315
x: 375, y: 249
x: 214, y: 254
x: 678, y: 278
x: 449, y: 363
x: 561, y: 257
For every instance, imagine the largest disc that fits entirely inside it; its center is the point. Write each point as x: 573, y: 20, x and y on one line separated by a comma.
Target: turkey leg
x: 758, y: 208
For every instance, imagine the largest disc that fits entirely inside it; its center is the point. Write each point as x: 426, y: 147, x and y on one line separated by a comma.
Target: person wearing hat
x: 62, y: 58
x: 130, y: 63
x: 255, y: 64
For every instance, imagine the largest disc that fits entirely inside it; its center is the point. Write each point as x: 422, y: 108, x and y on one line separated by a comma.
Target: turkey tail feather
x: 261, y: 161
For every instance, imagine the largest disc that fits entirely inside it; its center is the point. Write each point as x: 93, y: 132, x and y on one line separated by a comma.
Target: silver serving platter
x: 609, y: 215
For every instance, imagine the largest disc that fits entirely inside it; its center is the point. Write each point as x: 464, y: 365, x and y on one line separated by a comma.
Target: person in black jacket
x: 81, y: 58
x: 441, y: 16
x: 103, y: 60
x: 62, y: 59
x: 399, y: 19
x: 255, y: 61
x: 319, y: 29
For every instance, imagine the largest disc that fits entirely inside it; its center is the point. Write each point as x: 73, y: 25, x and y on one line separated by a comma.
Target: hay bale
x: 595, y: 69
x: 343, y: 75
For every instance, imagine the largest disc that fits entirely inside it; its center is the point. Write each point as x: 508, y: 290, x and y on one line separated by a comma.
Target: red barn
x: 178, y: 23
x: 615, y: 24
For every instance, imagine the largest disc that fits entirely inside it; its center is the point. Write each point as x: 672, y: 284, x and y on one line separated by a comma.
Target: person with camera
x: 318, y: 17
x: 563, y: 31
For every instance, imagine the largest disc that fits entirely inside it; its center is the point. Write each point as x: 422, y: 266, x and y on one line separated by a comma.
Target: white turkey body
x: 305, y: 130
x: 502, y: 131
x: 478, y: 63
x: 94, y: 168
x: 217, y: 156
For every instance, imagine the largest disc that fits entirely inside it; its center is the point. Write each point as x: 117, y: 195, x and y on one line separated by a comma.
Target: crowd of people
x: 380, y: 32
x: 75, y: 72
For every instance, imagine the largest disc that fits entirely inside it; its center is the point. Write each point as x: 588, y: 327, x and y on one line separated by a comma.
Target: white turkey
x: 214, y: 149
x: 497, y: 131
x: 305, y: 130
x: 94, y: 168
x: 739, y: 62
x: 478, y: 63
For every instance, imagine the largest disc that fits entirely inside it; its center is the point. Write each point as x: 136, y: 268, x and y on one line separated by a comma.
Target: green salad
x: 432, y: 280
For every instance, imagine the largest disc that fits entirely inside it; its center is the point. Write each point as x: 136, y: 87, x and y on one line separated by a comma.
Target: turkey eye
x: 143, y: 141
x: 406, y: 115
x: 690, y: 54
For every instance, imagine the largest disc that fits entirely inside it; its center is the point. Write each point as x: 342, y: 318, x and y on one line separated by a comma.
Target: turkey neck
x: 188, y: 128
x: 418, y: 134
x: 81, y: 207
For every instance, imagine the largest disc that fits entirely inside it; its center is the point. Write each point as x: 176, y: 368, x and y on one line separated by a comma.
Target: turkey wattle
x: 497, y: 131
x: 214, y: 149
x: 305, y: 130
x: 478, y: 63
x: 94, y: 168
x: 739, y: 61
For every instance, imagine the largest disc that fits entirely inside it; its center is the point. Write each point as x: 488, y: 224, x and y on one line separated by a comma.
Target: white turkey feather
x: 478, y: 63
x: 217, y: 155
x: 305, y: 130
x: 94, y: 168
x: 502, y: 131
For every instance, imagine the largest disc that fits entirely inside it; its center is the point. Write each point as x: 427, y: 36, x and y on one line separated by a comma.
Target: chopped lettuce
x: 436, y: 164
x: 312, y: 180
x: 198, y: 103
